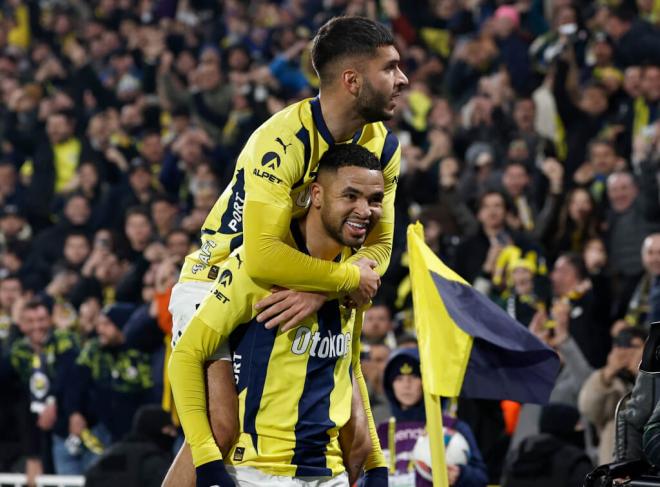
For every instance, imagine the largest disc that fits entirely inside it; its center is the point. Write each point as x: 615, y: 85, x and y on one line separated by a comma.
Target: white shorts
x: 252, y: 477
x: 184, y: 300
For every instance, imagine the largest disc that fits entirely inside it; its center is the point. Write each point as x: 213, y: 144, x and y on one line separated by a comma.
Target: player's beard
x: 371, y: 104
x: 334, y: 227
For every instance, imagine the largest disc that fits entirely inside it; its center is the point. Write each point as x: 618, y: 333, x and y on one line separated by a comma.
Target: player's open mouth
x: 358, y: 229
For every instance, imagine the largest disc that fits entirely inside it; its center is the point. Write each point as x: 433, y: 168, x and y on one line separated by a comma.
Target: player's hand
x: 369, y: 282
x: 213, y: 474
x: 288, y: 308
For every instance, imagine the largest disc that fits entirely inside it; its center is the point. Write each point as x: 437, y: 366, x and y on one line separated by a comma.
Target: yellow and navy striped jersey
x: 275, y: 169
x: 294, y: 388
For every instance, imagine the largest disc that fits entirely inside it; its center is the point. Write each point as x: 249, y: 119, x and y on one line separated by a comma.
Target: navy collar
x: 319, y: 121
x: 297, y: 235
x: 298, y: 238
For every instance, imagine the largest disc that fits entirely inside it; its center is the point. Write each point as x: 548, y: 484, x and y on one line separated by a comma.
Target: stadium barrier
x: 20, y: 480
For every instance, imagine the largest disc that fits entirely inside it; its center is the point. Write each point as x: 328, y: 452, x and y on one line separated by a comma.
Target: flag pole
x: 432, y: 402
x: 436, y: 439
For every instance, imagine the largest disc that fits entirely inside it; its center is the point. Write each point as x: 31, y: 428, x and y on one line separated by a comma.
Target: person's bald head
x: 621, y: 190
x: 651, y: 254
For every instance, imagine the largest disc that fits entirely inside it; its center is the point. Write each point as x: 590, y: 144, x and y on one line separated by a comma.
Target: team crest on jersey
x: 213, y: 272
x: 239, y: 453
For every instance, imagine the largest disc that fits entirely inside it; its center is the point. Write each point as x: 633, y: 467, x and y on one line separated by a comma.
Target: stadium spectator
x: 602, y: 391
x: 377, y: 326
x: 553, y: 457
x: 44, y: 360
x: 643, y: 307
x: 403, y: 386
x: 575, y: 306
x: 630, y: 220
x: 109, y: 383
x: 374, y: 358
x: 142, y: 457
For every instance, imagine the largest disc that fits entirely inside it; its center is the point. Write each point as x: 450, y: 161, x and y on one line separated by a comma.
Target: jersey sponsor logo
x: 220, y: 297
x: 232, y: 217
x: 236, y: 214
x: 281, y: 142
x: 226, y: 278
x: 236, y: 363
x: 260, y: 173
x: 317, y: 345
x: 271, y: 160
x: 205, y: 252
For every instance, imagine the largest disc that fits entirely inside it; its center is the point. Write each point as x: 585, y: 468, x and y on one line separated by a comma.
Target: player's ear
x: 316, y: 194
x: 352, y: 81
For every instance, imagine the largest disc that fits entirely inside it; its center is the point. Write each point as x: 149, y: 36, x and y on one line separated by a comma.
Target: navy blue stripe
x: 236, y: 242
x: 236, y: 200
x: 507, y: 360
x: 252, y: 345
x: 206, y: 231
x: 389, y: 148
x: 356, y: 137
x: 314, y: 406
x: 320, y: 122
x: 298, y: 238
x: 303, y: 136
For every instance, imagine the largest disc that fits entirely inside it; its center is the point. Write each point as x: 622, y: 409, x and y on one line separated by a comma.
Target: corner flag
x: 468, y: 345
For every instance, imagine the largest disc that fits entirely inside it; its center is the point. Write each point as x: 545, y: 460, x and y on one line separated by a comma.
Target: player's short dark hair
x: 348, y: 155
x: 341, y: 37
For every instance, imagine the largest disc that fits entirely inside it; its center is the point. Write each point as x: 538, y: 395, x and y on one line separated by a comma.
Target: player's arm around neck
x: 269, y: 259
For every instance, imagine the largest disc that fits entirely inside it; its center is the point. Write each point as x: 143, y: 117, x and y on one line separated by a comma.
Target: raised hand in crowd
x: 554, y: 171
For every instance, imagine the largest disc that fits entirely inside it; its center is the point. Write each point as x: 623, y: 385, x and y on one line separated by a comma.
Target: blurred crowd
x: 530, y: 141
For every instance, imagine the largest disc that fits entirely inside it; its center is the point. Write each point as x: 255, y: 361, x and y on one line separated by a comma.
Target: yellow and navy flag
x: 468, y: 345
